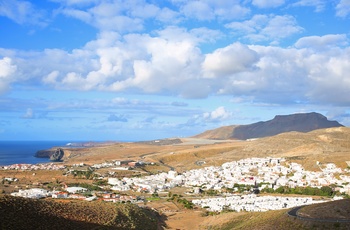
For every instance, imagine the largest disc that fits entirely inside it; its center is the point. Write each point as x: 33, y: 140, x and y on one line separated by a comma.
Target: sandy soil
x: 183, y: 219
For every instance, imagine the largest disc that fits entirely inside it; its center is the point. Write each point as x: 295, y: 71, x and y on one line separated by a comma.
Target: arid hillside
x: 280, y: 220
x: 323, y: 145
x: 22, y: 213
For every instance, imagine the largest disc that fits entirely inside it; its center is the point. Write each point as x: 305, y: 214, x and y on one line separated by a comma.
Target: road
x: 294, y: 213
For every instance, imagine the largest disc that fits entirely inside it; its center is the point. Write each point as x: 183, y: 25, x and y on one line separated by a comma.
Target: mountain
x: 300, y: 122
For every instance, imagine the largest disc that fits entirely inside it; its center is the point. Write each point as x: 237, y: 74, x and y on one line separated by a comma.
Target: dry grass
x: 339, y: 209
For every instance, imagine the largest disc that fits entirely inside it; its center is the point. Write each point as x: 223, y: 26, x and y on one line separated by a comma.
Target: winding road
x: 294, y: 213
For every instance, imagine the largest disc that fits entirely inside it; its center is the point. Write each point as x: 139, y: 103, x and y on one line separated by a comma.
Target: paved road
x: 294, y: 213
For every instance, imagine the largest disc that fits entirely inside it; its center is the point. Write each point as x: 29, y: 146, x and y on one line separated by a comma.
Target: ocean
x: 22, y: 152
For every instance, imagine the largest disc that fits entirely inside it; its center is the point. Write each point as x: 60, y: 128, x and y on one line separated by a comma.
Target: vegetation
x: 21, y: 213
x: 323, y: 191
x: 90, y: 187
x: 87, y: 174
x: 179, y: 199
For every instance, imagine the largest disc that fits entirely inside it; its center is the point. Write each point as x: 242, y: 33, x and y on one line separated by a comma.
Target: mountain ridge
x: 299, y: 122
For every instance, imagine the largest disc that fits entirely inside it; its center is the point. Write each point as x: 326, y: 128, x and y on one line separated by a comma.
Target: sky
x: 128, y: 70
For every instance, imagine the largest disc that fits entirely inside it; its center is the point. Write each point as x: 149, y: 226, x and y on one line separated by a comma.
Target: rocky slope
x: 301, y: 122
x: 55, y: 154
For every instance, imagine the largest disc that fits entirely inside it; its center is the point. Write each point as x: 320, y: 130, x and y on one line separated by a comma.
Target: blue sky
x: 141, y: 70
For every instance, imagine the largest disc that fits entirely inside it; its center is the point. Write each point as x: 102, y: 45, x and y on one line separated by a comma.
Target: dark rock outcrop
x: 57, y: 155
x: 44, y: 153
x: 53, y: 154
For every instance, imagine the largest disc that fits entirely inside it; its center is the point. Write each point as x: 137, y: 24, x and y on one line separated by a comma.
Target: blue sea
x: 22, y: 152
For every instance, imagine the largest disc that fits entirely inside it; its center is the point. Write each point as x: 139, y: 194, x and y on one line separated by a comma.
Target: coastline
x: 23, y: 152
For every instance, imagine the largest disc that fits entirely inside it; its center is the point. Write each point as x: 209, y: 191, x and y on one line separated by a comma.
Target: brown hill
x: 23, y: 213
x: 221, y: 133
x: 331, y: 211
x: 323, y: 145
x: 301, y: 122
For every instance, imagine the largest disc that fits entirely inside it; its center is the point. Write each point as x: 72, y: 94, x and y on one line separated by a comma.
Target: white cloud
x: 7, y: 70
x: 29, y: 114
x: 318, y: 4
x: 199, y: 10
x: 212, y: 9
x: 343, y: 8
x: 232, y: 59
x: 219, y: 114
x: 322, y: 42
x: 170, y: 63
x: 268, y: 3
x: 51, y: 78
x: 79, y: 14
x: 107, y: 16
x: 261, y: 28
x: 328, y: 74
x: 75, y: 2
x: 167, y: 15
x: 120, y: 15
x: 22, y: 12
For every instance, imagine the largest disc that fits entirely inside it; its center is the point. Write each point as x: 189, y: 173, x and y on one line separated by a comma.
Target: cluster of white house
x: 120, y: 165
x: 35, y: 193
x: 253, y: 203
x: 29, y: 167
x: 72, y: 193
x: 269, y: 172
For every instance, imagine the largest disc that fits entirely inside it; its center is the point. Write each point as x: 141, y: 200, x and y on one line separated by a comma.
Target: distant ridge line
x: 299, y: 122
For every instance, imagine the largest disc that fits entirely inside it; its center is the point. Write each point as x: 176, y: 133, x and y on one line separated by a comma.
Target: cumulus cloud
x: 343, y: 8
x: 328, y: 75
x: 199, y: 10
x: 261, y: 28
x: 7, y: 70
x: 165, y: 66
x: 126, y: 16
x: 209, y: 10
x: 322, y: 42
x: 219, y: 114
x: 318, y: 4
x: 268, y: 3
x: 122, y: 16
x: 169, y: 61
x: 227, y: 61
x: 22, y: 12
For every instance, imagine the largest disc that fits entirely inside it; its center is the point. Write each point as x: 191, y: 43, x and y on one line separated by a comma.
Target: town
x: 244, y: 185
